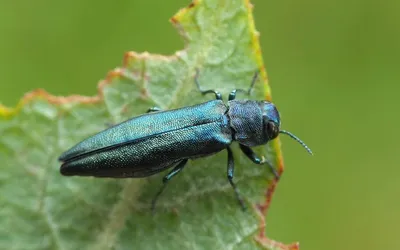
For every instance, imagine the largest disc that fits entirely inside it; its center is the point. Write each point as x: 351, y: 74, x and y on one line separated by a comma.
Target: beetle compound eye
x: 272, y: 130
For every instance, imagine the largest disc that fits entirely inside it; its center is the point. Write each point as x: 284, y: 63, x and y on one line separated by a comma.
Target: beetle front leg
x: 254, y: 158
x: 230, y: 170
x: 178, y: 168
x: 232, y: 95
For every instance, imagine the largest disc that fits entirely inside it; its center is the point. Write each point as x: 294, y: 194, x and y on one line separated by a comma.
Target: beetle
x: 159, y: 140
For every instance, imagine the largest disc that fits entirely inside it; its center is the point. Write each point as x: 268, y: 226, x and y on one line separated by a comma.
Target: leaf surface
x: 40, y: 209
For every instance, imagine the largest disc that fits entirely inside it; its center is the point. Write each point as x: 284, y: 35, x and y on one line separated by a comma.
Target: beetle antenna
x: 297, y: 139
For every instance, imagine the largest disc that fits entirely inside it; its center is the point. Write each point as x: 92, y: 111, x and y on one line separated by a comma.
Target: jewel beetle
x: 159, y: 140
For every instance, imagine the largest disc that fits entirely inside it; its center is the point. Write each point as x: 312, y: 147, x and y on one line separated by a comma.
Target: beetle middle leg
x: 254, y: 158
x: 178, y: 168
x: 218, y: 95
x: 230, y: 170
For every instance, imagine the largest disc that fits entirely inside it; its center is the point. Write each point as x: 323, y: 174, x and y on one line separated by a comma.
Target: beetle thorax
x: 246, y: 121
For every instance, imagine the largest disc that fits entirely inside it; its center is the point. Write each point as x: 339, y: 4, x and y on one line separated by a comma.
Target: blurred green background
x: 334, y: 71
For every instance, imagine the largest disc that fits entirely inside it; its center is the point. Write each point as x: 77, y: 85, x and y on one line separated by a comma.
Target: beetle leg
x: 153, y: 109
x: 230, y: 170
x: 232, y: 95
x: 253, y: 157
x: 253, y: 81
x: 166, y: 178
x: 218, y: 95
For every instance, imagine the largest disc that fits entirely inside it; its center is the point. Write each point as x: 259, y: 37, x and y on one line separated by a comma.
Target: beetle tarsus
x: 254, y: 158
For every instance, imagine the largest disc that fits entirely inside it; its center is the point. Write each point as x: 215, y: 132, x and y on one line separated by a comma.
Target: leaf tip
x: 182, y: 12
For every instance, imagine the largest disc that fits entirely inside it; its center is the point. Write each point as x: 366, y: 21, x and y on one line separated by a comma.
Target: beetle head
x: 272, y: 123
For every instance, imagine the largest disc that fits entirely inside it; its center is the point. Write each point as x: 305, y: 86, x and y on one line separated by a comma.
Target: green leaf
x: 40, y: 209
